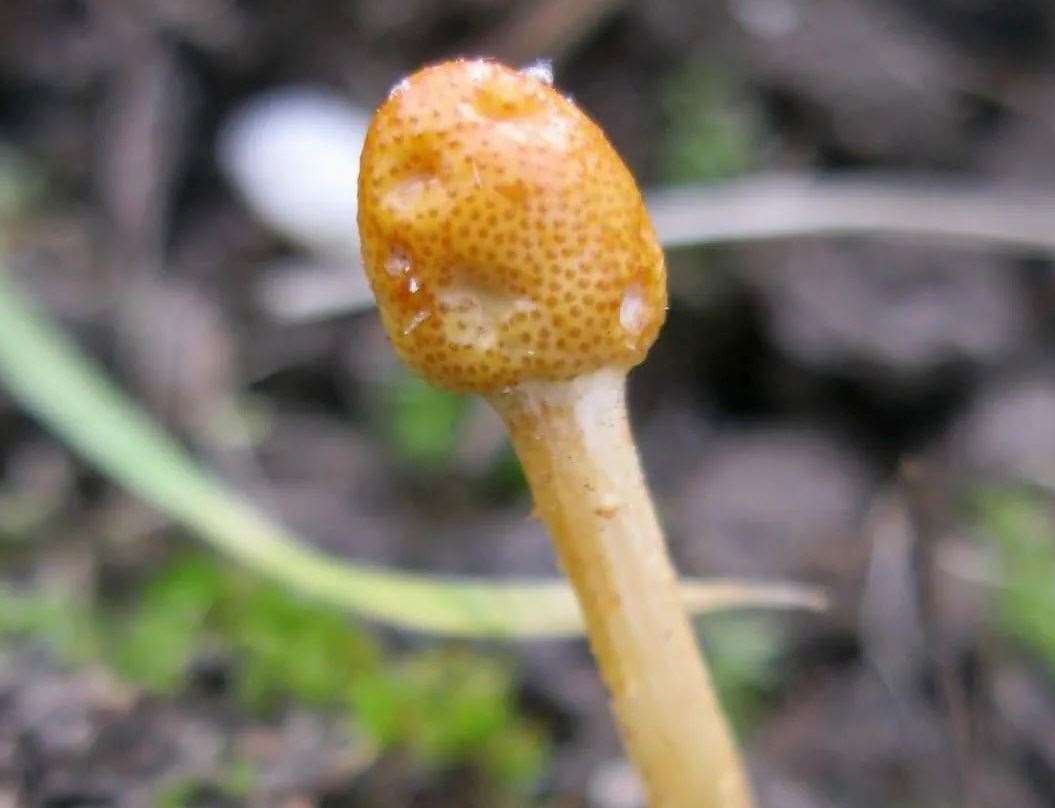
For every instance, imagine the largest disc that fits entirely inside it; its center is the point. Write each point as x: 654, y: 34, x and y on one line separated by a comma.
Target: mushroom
x: 511, y: 256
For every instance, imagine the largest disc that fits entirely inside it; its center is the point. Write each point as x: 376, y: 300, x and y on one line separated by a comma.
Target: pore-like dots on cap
x: 499, y: 223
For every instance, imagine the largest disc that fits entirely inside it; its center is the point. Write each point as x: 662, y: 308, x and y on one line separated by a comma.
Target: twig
x: 787, y: 205
x: 774, y: 206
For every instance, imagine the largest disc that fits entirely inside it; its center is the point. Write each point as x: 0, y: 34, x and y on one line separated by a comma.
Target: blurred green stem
x: 72, y: 395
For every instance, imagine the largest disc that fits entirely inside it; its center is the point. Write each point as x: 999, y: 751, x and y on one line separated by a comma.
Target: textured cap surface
x: 503, y: 237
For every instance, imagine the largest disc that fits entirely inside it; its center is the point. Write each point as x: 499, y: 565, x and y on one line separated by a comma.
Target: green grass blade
x: 71, y: 394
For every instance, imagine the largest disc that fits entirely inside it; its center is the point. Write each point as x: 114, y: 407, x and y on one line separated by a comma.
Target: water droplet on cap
x: 397, y: 263
x: 418, y: 318
x: 633, y: 312
x: 542, y: 69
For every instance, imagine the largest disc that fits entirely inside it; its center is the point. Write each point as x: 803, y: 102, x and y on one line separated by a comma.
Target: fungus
x: 511, y: 256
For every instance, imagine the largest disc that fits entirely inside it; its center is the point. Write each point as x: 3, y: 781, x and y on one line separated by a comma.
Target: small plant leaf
x: 72, y: 395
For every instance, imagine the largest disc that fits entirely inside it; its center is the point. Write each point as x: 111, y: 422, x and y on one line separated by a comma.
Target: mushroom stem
x: 574, y: 442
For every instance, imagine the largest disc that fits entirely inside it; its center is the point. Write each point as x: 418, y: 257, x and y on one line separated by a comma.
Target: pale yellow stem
x: 574, y: 442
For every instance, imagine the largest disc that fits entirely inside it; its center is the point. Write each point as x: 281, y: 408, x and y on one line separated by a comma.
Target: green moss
x: 744, y: 653
x: 452, y: 705
x: 234, y: 786
x: 711, y: 130
x: 1020, y: 522
x: 504, y: 480
x: 289, y: 647
x: 152, y: 643
x: 61, y: 623
x: 424, y: 422
x: 448, y: 707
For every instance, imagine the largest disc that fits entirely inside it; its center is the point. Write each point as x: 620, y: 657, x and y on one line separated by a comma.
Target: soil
x: 814, y: 411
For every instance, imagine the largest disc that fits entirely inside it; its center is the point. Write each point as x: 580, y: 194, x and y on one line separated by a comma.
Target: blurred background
x: 871, y: 414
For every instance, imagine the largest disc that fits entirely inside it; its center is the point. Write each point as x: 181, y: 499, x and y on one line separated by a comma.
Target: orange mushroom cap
x: 503, y: 237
